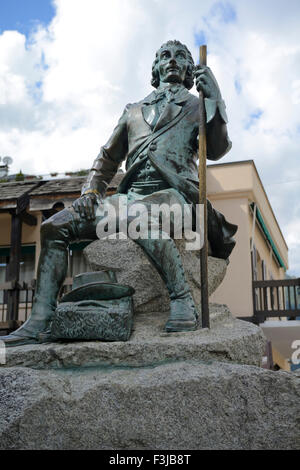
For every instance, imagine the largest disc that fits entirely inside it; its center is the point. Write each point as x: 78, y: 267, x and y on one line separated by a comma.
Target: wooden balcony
x: 280, y: 298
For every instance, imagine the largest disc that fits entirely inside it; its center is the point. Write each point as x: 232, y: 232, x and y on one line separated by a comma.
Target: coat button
x: 153, y: 146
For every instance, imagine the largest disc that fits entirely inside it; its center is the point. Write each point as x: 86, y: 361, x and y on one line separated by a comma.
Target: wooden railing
x: 15, y: 303
x: 15, y: 309
x: 280, y: 298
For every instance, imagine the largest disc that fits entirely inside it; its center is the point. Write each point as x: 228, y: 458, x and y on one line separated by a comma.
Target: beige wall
x: 235, y: 290
x: 231, y: 188
x: 230, y: 178
x: 240, y: 179
x: 5, y: 229
x: 30, y: 234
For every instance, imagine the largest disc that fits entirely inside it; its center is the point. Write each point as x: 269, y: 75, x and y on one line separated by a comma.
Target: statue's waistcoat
x: 171, y: 144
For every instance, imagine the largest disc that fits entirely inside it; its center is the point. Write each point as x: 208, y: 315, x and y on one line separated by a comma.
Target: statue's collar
x: 170, y: 111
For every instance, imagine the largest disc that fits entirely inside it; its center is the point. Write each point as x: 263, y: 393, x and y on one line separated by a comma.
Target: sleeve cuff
x: 211, y: 107
x: 89, y: 186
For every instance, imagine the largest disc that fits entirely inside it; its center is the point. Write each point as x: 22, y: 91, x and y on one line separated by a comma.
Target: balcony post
x: 13, y: 271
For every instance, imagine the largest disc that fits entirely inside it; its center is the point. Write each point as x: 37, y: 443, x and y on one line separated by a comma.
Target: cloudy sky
x: 68, y: 68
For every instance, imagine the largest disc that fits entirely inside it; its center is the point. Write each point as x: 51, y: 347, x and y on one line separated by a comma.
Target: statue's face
x: 173, y: 64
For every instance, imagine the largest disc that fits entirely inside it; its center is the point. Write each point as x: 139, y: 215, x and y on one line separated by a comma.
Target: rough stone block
x: 179, y: 405
x: 133, y: 267
x: 228, y: 339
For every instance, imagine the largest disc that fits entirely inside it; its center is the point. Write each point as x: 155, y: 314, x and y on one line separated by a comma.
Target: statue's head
x: 173, y: 64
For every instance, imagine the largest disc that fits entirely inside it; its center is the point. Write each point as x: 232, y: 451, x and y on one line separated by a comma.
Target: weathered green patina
x: 158, y: 139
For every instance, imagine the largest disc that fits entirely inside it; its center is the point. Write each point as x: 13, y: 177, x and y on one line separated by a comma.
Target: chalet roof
x: 16, y: 189
x: 116, y: 180
x: 58, y: 186
x: 69, y: 185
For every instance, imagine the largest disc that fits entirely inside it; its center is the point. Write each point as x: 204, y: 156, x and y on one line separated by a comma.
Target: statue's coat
x: 172, y: 147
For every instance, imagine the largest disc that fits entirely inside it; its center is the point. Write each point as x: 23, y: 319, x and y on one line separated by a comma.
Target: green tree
x: 20, y: 176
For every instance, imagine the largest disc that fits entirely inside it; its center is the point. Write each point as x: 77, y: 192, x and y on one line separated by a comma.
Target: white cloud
x: 62, y: 91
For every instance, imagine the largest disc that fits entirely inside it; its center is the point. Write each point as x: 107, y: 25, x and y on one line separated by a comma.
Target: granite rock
x: 228, y: 339
x: 132, y: 266
x: 182, y: 405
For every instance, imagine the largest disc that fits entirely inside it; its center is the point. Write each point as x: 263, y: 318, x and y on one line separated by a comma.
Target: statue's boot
x: 167, y: 260
x: 183, y: 314
x: 51, y: 273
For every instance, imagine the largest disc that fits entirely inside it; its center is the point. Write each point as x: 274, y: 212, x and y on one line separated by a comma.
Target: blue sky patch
x: 253, y: 118
x: 43, y: 64
x: 238, y: 86
x: 36, y: 92
x: 225, y: 11
x: 200, y: 38
x: 25, y: 15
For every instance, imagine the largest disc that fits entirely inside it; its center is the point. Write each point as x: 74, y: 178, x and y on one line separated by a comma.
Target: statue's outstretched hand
x: 206, y: 82
x: 86, y: 204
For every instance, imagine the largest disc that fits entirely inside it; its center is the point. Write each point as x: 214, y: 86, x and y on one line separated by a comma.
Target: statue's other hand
x: 85, y: 205
x: 206, y: 82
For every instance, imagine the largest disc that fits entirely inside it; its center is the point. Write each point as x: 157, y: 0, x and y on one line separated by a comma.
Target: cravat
x: 167, y: 93
x: 162, y: 98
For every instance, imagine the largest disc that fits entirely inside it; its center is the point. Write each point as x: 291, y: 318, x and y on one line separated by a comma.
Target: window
x: 264, y: 270
x: 254, y: 263
x: 3, y: 267
x: 27, y: 267
x: 77, y: 261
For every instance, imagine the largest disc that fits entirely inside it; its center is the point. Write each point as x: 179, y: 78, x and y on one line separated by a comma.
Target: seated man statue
x: 158, y: 138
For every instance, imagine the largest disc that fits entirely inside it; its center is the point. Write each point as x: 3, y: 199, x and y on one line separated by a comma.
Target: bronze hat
x: 98, y: 285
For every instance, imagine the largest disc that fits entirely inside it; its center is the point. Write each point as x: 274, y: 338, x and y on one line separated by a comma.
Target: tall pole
x: 202, y: 199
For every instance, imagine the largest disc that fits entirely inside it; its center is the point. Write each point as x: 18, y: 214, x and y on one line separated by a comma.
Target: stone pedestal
x: 227, y: 340
x: 178, y: 404
x: 203, y: 389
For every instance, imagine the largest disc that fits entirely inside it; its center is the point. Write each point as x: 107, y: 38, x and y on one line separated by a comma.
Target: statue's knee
x: 48, y: 230
x: 56, y: 227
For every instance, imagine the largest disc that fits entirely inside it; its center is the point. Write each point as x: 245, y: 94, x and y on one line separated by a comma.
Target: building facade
x: 261, y: 252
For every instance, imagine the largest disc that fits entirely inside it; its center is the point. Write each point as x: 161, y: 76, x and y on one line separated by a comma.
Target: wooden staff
x: 202, y: 199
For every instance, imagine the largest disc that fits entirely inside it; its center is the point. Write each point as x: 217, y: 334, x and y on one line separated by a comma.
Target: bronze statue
x: 158, y: 139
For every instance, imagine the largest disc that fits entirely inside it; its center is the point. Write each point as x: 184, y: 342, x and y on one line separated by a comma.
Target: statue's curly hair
x: 189, y: 78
